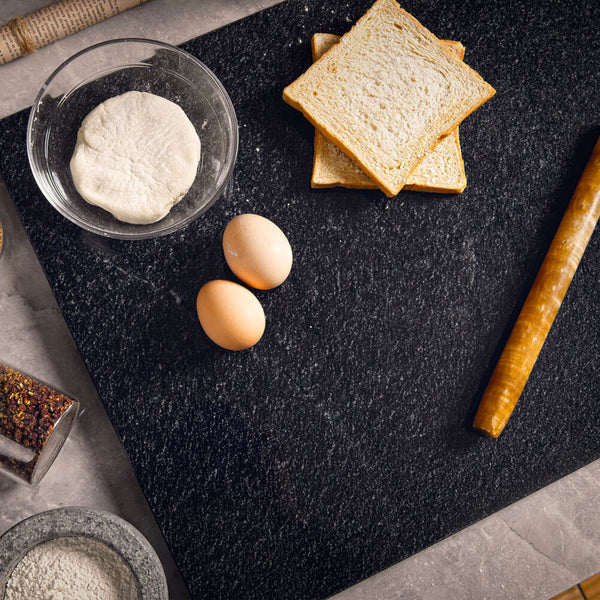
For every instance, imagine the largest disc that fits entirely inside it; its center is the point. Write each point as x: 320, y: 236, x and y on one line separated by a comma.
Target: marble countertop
x: 534, y: 549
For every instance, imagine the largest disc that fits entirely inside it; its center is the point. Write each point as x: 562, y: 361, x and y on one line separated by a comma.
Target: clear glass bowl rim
x: 143, y: 233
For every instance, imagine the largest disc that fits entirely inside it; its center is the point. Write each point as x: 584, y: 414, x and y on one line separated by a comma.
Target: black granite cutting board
x: 340, y: 444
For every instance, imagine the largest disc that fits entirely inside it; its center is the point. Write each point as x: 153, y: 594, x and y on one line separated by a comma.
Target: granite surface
x: 340, y: 444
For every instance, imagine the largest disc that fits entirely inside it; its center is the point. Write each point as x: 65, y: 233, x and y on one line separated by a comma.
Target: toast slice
x: 442, y: 170
x: 386, y: 92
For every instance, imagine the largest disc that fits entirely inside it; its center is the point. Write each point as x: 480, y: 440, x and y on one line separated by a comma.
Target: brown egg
x: 231, y: 316
x: 257, y: 251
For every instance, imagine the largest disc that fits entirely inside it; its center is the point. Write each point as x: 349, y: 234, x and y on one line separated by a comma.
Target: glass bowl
x: 112, y: 68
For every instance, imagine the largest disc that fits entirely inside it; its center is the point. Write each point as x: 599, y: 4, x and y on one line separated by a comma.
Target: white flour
x: 72, y: 568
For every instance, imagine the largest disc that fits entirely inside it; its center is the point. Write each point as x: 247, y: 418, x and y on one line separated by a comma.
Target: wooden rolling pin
x: 542, y: 304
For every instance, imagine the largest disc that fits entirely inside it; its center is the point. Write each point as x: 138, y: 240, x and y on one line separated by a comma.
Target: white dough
x: 136, y: 156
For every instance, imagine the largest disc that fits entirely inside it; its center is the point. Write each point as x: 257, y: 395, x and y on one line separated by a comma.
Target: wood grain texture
x: 542, y: 303
x: 591, y: 587
x: 573, y: 593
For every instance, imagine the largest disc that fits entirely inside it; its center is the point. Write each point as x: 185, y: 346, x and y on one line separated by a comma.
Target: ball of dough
x: 136, y: 156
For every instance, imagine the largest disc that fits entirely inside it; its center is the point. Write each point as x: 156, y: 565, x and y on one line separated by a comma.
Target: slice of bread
x: 441, y: 170
x: 386, y: 92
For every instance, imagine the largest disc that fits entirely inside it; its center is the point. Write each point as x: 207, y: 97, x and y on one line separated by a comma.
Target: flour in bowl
x: 72, y: 568
x: 136, y: 156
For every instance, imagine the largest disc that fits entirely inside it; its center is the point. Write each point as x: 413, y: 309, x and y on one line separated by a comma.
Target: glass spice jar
x: 35, y: 421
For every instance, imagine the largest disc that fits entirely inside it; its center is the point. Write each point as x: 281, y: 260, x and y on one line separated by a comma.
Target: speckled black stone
x: 341, y: 444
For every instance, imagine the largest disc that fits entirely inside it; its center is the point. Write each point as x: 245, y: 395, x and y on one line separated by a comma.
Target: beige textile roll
x: 26, y: 34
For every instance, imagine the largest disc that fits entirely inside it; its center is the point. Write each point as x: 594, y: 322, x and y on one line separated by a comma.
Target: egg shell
x: 231, y: 315
x: 257, y: 251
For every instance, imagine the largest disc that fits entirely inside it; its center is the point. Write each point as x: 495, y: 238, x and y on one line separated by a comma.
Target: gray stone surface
x: 533, y: 549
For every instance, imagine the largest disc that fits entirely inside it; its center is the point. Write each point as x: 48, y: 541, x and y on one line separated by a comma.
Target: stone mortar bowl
x: 102, y: 526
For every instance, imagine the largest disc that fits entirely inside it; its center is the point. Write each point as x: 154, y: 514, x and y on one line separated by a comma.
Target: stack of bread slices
x: 386, y: 100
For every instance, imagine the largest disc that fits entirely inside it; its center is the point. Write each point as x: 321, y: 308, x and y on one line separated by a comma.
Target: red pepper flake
x: 29, y: 411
